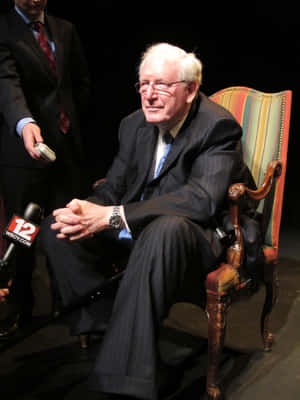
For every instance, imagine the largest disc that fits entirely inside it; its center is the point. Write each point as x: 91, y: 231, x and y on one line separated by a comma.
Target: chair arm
x: 235, y: 252
x: 239, y: 189
x: 97, y: 182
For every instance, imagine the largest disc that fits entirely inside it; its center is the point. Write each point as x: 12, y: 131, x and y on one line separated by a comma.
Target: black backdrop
x: 254, y: 45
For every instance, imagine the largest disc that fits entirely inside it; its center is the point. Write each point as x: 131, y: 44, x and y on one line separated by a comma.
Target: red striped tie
x: 43, y: 41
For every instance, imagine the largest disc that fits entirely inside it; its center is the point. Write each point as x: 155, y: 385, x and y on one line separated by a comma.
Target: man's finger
x: 70, y: 230
x: 58, y: 211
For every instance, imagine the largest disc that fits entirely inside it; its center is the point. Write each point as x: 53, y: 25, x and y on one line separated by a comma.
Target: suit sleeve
x: 13, y: 105
x: 212, y: 167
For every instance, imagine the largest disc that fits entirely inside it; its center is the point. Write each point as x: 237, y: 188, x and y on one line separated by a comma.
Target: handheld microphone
x: 22, y: 231
x: 45, y: 152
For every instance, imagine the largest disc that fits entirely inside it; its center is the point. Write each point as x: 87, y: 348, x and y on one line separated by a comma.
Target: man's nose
x: 150, y: 92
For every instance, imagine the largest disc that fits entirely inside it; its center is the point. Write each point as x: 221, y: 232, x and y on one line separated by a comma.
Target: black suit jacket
x: 204, y: 160
x: 28, y: 88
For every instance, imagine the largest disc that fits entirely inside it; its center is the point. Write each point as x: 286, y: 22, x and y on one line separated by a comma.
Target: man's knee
x: 51, y: 246
x: 170, y: 223
x: 171, y: 227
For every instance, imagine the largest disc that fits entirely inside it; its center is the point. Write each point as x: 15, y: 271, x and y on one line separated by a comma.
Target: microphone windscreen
x: 33, y: 213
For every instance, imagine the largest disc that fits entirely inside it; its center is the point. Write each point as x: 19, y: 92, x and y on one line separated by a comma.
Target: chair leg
x: 216, y: 310
x: 271, y: 285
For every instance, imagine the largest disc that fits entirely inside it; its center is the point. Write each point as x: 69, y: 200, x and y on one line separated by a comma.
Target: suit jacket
x: 204, y: 159
x: 28, y: 88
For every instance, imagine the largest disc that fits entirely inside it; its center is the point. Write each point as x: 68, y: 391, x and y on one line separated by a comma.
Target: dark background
x: 246, y: 44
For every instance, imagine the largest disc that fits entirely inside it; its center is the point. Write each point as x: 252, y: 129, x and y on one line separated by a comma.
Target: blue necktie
x: 168, y: 139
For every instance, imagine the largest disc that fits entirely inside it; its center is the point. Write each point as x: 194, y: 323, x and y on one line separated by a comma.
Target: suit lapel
x: 146, y: 143
x: 147, y: 140
x: 26, y: 39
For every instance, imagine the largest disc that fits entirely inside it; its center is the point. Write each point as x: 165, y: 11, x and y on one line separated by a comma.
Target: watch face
x: 115, y: 221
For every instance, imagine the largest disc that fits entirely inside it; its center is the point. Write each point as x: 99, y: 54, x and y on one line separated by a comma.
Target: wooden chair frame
x: 227, y: 283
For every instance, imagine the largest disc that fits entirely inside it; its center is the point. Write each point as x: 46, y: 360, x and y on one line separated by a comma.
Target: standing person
x: 44, y: 96
x: 165, y: 191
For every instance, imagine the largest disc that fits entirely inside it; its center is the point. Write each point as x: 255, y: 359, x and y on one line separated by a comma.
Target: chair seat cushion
x: 222, y: 280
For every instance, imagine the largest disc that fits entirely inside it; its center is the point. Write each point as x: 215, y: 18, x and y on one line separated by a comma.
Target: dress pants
x: 167, y: 251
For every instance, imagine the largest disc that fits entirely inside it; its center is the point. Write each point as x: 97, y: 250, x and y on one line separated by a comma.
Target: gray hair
x: 190, y: 67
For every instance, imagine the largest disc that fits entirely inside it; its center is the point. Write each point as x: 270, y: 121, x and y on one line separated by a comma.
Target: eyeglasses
x: 158, y: 86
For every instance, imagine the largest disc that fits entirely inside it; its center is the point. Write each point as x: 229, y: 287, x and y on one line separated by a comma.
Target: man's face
x: 31, y: 8
x: 164, y: 108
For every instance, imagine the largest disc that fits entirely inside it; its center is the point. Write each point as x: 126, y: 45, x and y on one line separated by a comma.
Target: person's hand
x: 31, y: 135
x: 81, y: 219
x: 4, y: 292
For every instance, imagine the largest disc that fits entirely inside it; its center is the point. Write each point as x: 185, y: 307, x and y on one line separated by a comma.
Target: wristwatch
x: 115, y: 220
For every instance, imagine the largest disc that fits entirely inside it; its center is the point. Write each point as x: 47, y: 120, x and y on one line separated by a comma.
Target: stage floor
x: 46, y: 363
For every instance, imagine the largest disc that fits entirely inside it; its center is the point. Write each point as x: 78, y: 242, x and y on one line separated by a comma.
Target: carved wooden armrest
x: 235, y: 252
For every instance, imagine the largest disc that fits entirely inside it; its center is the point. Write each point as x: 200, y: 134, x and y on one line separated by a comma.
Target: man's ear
x: 192, y: 88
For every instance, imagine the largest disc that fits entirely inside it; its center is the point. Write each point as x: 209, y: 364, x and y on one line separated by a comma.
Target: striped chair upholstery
x: 264, y: 118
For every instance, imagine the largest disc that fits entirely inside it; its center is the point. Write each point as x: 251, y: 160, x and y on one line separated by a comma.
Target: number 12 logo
x: 22, y: 228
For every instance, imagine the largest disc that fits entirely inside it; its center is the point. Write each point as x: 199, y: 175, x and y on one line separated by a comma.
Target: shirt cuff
x: 22, y: 123
x: 124, y: 218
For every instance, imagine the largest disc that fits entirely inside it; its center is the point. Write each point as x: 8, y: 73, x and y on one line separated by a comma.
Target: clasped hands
x: 80, y: 219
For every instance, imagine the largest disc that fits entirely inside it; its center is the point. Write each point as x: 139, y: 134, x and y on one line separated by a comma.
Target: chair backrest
x: 265, y: 119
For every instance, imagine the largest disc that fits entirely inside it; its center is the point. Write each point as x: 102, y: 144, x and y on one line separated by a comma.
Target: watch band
x: 115, y: 220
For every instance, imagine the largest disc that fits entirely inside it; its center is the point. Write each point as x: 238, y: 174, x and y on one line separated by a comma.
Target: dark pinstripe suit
x: 173, y: 236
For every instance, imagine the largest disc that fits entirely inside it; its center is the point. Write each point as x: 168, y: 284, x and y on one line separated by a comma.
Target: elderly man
x: 158, y: 206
